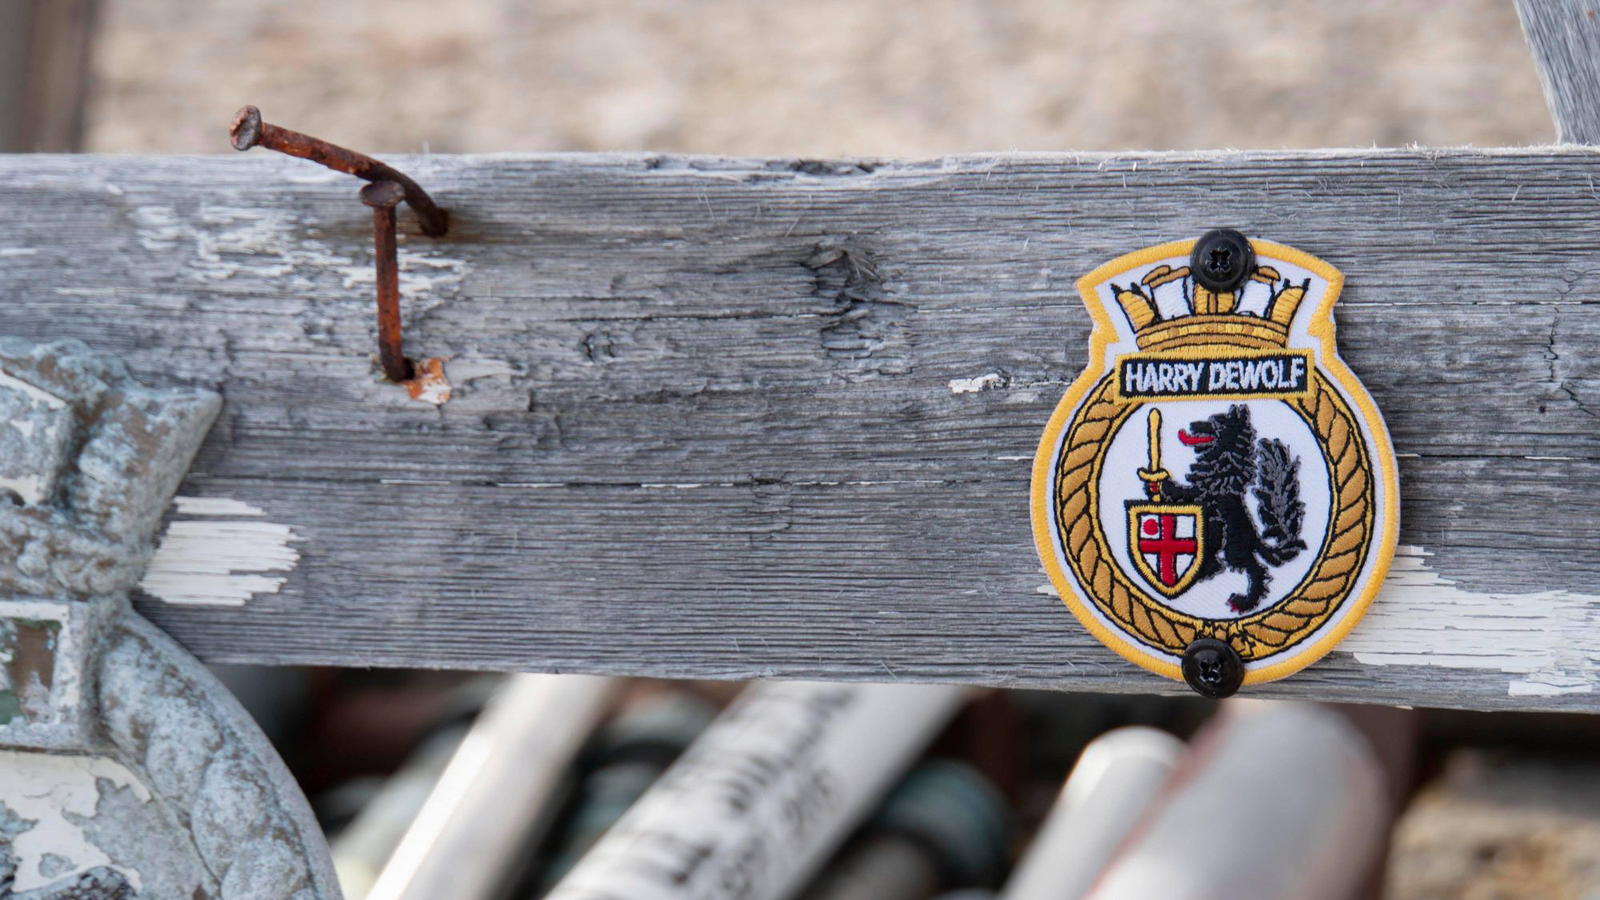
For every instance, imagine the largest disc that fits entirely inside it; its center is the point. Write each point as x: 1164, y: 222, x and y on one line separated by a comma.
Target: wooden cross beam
x: 729, y: 418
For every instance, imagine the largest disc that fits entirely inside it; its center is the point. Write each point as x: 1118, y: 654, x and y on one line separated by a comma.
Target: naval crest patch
x: 1216, y: 496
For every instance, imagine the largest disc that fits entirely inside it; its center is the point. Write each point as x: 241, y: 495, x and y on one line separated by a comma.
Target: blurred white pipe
x: 945, y: 824
x: 497, y: 790
x: 1278, y: 802
x: 363, y: 847
x: 1113, y: 785
x: 756, y: 805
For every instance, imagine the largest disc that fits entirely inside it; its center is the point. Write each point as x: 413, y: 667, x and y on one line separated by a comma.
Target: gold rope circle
x: 1264, y: 633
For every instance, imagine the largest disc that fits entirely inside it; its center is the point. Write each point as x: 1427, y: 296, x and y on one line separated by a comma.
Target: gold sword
x: 1155, y: 475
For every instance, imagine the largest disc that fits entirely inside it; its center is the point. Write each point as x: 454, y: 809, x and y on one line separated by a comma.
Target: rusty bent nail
x: 383, y: 197
x: 388, y: 187
x: 249, y: 131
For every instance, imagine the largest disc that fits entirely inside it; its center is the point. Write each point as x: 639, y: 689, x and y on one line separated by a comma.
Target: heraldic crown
x: 1169, y: 310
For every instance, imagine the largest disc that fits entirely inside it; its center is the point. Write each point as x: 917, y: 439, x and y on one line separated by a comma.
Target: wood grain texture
x: 1564, y: 36
x: 704, y: 422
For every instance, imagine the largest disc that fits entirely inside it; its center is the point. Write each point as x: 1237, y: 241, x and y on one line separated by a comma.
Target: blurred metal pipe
x: 759, y: 802
x: 945, y: 826
x: 362, y: 848
x: 880, y: 867
x: 497, y: 791
x: 1113, y: 785
x: 625, y: 758
x: 1278, y: 801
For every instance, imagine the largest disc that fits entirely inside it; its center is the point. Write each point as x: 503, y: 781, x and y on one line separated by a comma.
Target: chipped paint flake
x: 422, y: 271
x: 29, y: 487
x: 56, y: 793
x: 975, y: 385
x: 215, y: 506
x: 227, y: 241
x: 1546, y: 638
x: 38, y: 395
x: 220, y: 558
x: 430, y: 384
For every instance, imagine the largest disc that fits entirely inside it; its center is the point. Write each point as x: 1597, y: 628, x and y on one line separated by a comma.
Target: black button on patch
x: 1212, y: 668
x: 1222, y: 260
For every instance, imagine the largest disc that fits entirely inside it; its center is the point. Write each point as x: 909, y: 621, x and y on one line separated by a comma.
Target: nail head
x: 382, y: 194
x: 246, y: 130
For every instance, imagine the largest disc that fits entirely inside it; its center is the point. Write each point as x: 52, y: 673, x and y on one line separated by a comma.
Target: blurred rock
x: 1501, y: 827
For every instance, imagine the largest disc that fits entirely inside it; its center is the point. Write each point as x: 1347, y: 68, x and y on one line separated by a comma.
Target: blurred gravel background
x: 821, y: 78
x: 909, y: 78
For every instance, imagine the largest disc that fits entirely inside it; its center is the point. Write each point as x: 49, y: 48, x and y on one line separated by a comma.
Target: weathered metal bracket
x: 126, y: 769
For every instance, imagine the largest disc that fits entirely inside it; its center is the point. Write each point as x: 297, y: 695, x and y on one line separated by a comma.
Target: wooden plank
x: 722, y: 418
x: 1564, y: 36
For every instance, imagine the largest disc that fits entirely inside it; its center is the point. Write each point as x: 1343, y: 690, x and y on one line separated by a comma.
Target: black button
x: 1222, y: 260
x: 1212, y: 668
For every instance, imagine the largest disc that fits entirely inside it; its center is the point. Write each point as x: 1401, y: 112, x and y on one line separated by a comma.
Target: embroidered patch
x: 1216, y: 471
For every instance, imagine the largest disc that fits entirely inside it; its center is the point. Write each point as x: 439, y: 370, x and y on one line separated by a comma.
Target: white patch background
x: 1119, y: 482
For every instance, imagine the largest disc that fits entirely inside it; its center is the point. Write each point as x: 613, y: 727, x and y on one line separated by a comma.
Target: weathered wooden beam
x: 732, y: 418
x: 1564, y: 36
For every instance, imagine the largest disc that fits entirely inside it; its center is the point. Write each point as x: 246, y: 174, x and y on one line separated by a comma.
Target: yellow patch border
x: 1139, y: 562
x: 1321, y: 328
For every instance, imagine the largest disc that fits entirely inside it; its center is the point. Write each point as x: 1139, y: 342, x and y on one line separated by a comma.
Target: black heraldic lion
x: 1230, y: 462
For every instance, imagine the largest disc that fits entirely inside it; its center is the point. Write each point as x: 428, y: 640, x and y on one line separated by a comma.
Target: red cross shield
x: 1165, y: 542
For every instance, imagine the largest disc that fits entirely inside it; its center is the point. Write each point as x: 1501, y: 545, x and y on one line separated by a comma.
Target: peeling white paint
x: 39, y: 395
x: 220, y: 242
x: 1550, y: 639
x: 51, y: 790
x: 231, y: 241
x: 214, y: 506
x: 422, y: 271
x: 84, y: 292
x: 973, y: 385
x: 8, y: 252
x: 29, y: 487
x: 220, y: 558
